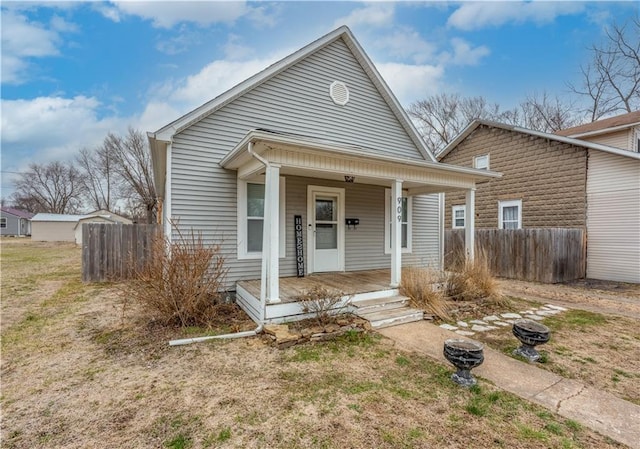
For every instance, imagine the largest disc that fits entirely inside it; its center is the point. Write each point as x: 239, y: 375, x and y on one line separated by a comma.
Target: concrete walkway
x: 600, y: 411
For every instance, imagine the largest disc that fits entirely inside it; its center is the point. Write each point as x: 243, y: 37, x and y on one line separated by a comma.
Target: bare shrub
x: 422, y: 287
x: 181, y: 283
x: 472, y: 280
x: 322, y: 303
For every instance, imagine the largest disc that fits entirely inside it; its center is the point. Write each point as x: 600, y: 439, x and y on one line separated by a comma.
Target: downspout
x: 186, y: 341
x: 257, y: 330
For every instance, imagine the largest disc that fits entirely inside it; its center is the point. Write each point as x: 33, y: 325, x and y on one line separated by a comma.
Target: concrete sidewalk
x: 600, y: 411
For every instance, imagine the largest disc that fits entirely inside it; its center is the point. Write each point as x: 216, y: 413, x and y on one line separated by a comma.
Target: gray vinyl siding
x: 613, y: 218
x: 13, y: 224
x: 204, y: 195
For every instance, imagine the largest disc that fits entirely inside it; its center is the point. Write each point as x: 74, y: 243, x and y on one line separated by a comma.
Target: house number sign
x: 297, y: 221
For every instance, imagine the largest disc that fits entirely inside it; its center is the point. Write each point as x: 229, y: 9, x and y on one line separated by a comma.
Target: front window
x: 405, y: 222
x: 251, y: 202
x: 457, y: 217
x: 510, y: 214
x: 3, y: 222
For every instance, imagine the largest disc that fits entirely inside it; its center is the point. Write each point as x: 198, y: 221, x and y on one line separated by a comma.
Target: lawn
x: 78, y: 373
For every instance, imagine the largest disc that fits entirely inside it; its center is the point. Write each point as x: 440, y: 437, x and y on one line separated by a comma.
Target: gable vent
x: 339, y: 93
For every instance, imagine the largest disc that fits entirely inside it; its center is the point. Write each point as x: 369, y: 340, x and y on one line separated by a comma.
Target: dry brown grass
x: 422, y: 287
x: 472, y: 280
x: 181, y: 286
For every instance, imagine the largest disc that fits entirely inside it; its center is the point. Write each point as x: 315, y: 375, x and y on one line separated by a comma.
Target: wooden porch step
x: 391, y: 317
x: 374, y: 305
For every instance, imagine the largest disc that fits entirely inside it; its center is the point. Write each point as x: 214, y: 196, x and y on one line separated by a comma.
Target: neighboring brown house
x: 554, y: 181
x: 621, y: 131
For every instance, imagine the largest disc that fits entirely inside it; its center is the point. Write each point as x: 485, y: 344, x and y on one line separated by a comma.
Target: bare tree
x: 100, y: 179
x: 133, y: 159
x: 440, y: 118
x: 54, y: 188
x: 611, y: 81
x: 546, y: 114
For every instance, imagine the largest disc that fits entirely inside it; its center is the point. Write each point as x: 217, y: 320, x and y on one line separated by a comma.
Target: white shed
x: 98, y: 217
x: 54, y: 227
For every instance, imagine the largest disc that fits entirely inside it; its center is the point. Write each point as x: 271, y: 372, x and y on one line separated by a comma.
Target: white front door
x: 326, y: 229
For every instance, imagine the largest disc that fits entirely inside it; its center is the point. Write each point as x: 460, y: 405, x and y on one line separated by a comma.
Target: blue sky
x: 74, y: 71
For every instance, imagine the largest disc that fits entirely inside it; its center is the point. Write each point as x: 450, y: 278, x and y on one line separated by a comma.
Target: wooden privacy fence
x: 110, y: 251
x: 537, y: 254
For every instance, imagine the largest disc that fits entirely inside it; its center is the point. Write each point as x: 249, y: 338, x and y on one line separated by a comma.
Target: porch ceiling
x: 305, y: 156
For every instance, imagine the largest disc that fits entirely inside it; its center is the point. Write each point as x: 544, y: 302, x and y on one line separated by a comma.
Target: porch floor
x: 349, y: 283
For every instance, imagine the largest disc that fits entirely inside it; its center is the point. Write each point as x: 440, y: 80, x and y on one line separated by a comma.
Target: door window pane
x: 326, y: 236
x: 325, y: 210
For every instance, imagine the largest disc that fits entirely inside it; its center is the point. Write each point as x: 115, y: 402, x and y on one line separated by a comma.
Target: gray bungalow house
x: 309, y: 168
x: 15, y: 222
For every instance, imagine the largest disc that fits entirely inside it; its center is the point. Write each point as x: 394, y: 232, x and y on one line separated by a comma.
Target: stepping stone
x: 544, y: 308
x: 490, y: 318
x: 561, y: 309
x: 465, y: 333
x: 462, y: 324
x: 546, y: 312
x: 500, y: 323
x: 448, y: 327
x: 511, y: 321
x: 512, y: 316
x: 491, y: 327
x: 478, y: 328
x: 534, y: 317
x: 480, y: 322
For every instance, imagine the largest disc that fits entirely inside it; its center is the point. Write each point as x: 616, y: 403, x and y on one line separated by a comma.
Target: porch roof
x: 312, y: 157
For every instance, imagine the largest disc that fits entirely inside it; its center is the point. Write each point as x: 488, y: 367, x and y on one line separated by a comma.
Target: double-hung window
x: 251, y: 205
x: 3, y: 222
x: 403, y: 211
x: 510, y: 214
x: 458, y: 217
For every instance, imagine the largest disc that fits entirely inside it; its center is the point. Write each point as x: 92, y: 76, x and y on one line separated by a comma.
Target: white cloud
x: 23, y: 39
x: 464, y: 53
x: 166, y: 14
x: 403, y: 44
x: 477, y: 15
x: 234, y: 50
x: 373, y: 14
x: 179, y: 43
x: 412, y: 82
x: 45, y: 129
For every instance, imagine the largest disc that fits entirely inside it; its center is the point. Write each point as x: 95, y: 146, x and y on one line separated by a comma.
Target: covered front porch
x: 355, y: 286
x: 319, y: 166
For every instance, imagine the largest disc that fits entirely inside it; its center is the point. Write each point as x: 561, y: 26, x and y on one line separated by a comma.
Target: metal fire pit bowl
x: 531, y: 334
x: 464, y: 355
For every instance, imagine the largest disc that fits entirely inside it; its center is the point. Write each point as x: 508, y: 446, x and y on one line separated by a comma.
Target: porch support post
x: 470, y: 225
x: 396, y: 233
x: 270, y: 283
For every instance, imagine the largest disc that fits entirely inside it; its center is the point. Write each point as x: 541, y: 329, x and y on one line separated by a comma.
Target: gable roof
x: 165, y: 133
x: 17, y: 212
x: 603, y: 126
x: 572, y: 141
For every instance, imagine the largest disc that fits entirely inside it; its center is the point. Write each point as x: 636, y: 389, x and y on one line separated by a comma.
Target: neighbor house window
x: 510, y: 214
x: 3, y: 222
x: 251, y: 203
x: 405, y: 222
x: 457, y: 217
x: 481, y: 162
x: 638, y: 140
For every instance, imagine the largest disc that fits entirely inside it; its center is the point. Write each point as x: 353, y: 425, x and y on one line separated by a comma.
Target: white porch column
x: 270, y: 282
x: 396, y: 233
x: 470, y: 224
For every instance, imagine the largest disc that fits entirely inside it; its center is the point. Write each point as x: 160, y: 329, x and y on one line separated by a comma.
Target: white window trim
x: 387, y: 222
x: 510, y: 203
x: 475, y: 162
x: 243, y: 254
x: 637, y: 140
x: 463, y: 208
